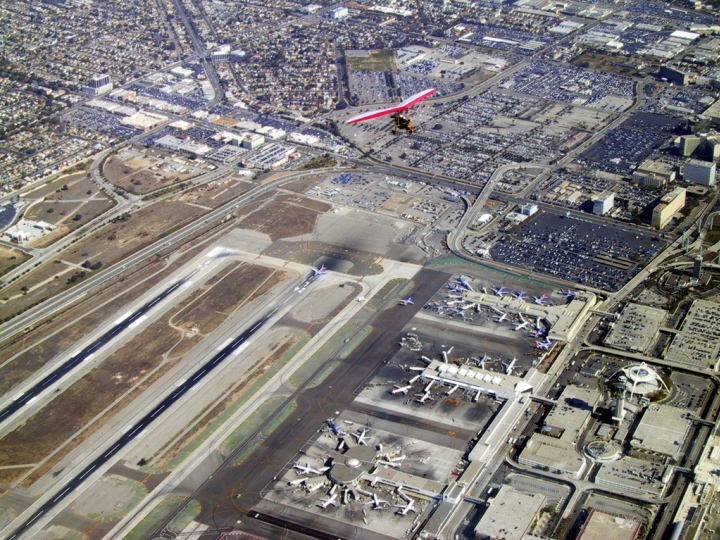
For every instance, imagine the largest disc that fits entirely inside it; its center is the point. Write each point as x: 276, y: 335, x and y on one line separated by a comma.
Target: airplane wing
x: 409, y: 102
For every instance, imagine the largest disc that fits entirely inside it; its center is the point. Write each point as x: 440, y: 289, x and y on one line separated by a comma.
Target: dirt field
x: 302, y: 185
x: 10, y: 258
x: 214, y: 194
x: 89, y: 396
x: 286, y: 216
x: 15, y: 300
x: 78, y: 185
x: 37, y: 347
x: 141, y: 171
x: 67, y: 216
x: 219, y: 300
x: 116, y: 240
x: 373, y: 61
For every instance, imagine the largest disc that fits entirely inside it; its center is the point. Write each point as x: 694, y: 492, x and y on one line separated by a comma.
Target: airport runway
x: 85, y: 354
x: 138, y: 428
x: 218, y: 496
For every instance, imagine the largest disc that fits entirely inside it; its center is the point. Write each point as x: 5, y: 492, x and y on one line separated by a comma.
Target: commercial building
x: 601, y: 526
x: 674, y: 75
x: 632, y: 475
x: 703, y: 145
x: 660, y: 434
x: 668, y: 206
x: 654, y: 173
x: 510, y: 515
x: 99, y: 85
x: 271, y: 157
x: 144, y: 120
x: 699, y: 172
x: 698, y: 342
x: 253, y: 141
x: 603, y: 203
x: 548, y: 453
x: 339, y: 13
x: 528, y: 209
x: 636, y: 329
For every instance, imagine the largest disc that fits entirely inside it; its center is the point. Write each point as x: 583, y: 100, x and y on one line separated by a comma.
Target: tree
x: 77, y: 217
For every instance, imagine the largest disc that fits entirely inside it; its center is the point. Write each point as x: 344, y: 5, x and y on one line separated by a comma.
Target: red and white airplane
x: 402, y: 120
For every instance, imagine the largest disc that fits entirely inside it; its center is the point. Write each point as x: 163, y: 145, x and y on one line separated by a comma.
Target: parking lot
x: 576, y: 250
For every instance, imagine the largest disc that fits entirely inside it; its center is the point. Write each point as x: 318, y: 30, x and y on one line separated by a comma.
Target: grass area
x: 185, y: 516
x: 383, y: 60
x: 319, y: 162
x: 161, y: 512
x: 320, y: 377
x: 255, y: 423
x: 354, y: 342
x: 327, y: 350
x: 246, y: 452
x: 385, y: 291
x: 605, y: 62
x: 250, y: 424
x: 222, y: 418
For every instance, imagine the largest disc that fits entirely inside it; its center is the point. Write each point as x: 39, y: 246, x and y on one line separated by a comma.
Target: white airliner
x: 330, y: 500
x: 319, y: 271
x: 502, y: 316
x: 423, y: 397
x: 398, y: 389
x: 484, y: 361
x: 523, y: 323
x: 360, y: 298
x: 407, y: 302
x: 377, y: 503
x: 306, y: 469
x: 361, y: 437
x: 405, y: 508
x: 510, y: 366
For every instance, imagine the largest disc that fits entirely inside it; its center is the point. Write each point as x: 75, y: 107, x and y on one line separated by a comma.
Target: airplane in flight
x: 545, y: 345
x: 306, y: 469
x: 499, y: 291
x: 377, y: 503
x: 361, y: 437
x: 510, y: 366
x: 330, y: 500
x: 403, y: 389
x: 407, y: 302
x: 319, y: 271
x: 540, y: 299
x: 405, y: 508
x: 569, y: 293
x: 401, y: 118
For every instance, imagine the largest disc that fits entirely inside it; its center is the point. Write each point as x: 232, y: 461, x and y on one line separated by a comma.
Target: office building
x: 654, y: 173
x: 253, y: 141
x: 699, y: 172
x: 697, y: 267
x: 99, y: 85
x: 667, y: 207
x: 604, y: 203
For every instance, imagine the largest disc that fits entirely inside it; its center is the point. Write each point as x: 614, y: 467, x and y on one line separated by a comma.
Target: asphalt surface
x: 84, y: 354
x: 230, y: 494
x: 140, y: 425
